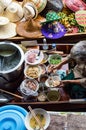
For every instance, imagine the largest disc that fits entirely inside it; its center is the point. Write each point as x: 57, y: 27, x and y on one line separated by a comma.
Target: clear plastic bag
x: 55, y: 5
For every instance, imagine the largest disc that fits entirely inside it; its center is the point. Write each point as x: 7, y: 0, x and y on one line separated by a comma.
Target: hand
x: 57, y: 67
x: 50, y: 68
x: 64, y: 82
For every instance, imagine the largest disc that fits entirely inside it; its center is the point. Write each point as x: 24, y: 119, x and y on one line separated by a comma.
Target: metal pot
x: 11, y: 67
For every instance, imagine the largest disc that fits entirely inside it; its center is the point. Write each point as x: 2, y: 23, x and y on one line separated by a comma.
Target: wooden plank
x: 68, y: 38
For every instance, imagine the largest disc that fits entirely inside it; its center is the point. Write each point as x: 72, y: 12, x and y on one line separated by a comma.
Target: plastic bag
x: 55, y: 5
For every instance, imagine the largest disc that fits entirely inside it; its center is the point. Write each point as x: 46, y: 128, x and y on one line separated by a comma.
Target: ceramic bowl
x: 32, y: 72
x: 44, y: 116
x: 33, y: 56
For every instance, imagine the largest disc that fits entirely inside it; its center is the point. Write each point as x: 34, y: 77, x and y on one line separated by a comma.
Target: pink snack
x: 31, y: 57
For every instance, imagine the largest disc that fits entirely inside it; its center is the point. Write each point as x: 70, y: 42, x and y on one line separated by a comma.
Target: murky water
x: 7, y: 64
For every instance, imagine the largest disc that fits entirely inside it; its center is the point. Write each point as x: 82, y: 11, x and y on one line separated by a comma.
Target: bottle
x: 53, y: 46
x: 45, y: 45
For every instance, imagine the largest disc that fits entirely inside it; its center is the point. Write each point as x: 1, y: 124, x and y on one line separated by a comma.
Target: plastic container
x: 12, y: 117
x: 53, y: 46
x: 45, y: 45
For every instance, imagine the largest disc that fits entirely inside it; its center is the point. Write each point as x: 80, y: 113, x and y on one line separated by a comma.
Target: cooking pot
x: 11, y: 65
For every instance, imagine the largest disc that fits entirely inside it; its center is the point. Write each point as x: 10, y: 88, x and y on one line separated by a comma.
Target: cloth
x: 61, y: 73
x: 75, y: 91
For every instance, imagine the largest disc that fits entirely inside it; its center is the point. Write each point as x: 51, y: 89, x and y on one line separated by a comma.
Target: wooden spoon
x: 15, y: 95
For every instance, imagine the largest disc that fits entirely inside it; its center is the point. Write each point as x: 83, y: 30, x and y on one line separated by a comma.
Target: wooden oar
x: 36, y: 118
x: 15, y: 95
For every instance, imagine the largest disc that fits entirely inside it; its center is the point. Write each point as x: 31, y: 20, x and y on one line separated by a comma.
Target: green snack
x: 55, y: 59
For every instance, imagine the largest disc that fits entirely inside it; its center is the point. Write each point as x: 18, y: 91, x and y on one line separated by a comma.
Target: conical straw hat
x: 29, y: 29
x: 7, y: 29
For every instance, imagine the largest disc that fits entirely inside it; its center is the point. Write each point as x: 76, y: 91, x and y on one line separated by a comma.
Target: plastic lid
x: 12, y: 117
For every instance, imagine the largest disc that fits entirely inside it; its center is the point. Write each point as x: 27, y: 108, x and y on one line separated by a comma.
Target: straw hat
x: 5, y: 3
x: 1, y: 9
x: 40, y: 4
x: 29, y: 29
x: 14, y: 12
x: 30, y: 10
x: 7, y: 29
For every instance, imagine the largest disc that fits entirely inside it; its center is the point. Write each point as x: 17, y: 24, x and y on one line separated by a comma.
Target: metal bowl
x: 12, y: 67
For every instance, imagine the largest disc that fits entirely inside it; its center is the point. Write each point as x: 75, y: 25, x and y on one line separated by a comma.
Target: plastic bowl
x: 37, y: 111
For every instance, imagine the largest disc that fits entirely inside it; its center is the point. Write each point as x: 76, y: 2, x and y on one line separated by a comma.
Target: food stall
x: 34, y: 36
x: 72, y: 34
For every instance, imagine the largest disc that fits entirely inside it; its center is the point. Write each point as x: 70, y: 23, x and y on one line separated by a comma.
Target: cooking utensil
x: 53, y: 52
x: 37, y: 57
x: 15, y: 95
x: 13, y: 63
x: 36, y: 118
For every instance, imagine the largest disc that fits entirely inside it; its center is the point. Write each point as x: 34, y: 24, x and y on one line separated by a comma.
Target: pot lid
x: 12, y: 117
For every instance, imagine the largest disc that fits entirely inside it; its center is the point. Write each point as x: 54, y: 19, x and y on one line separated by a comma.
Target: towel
x: 75, y: 91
